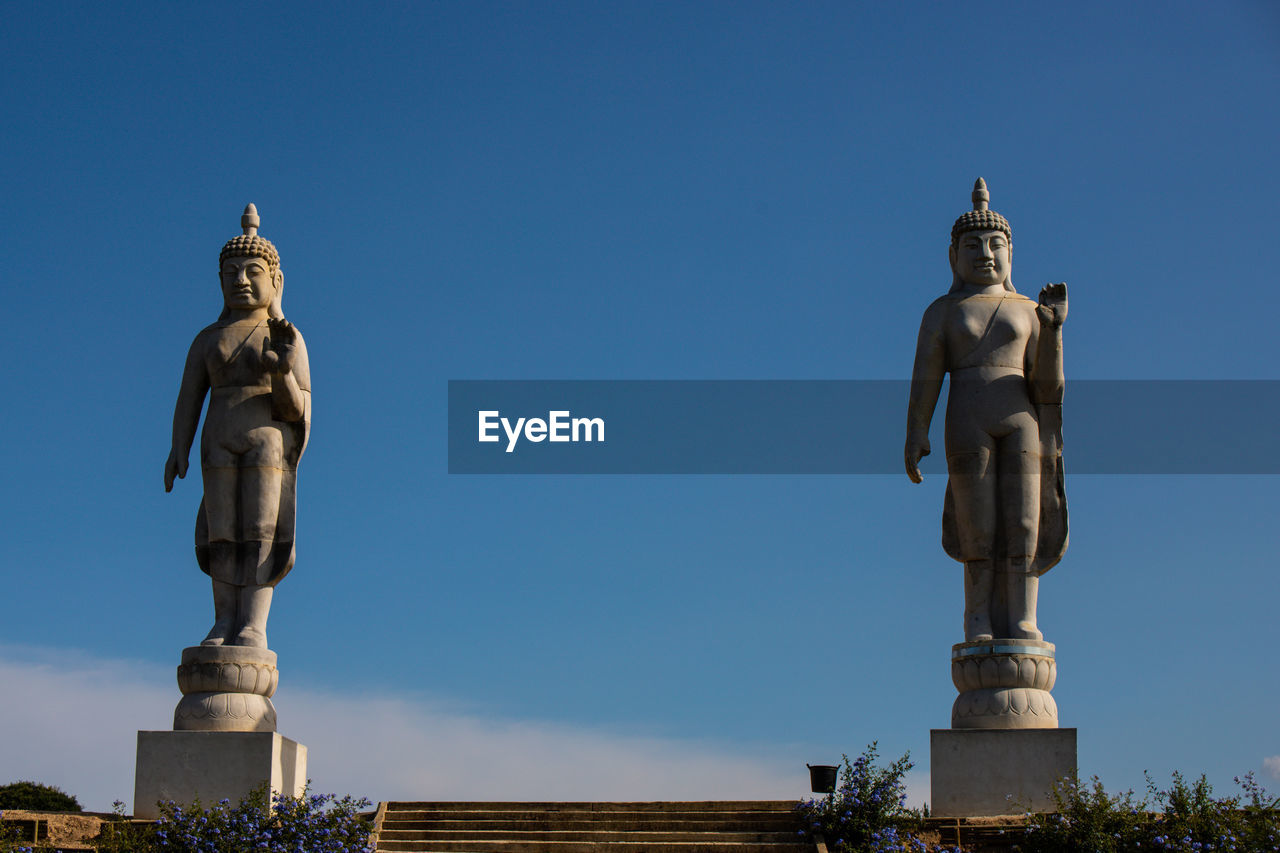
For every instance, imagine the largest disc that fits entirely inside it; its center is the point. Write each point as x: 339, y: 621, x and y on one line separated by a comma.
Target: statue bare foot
x: 251, y: 637
x: 1026, y: 631
x: 218, y: 634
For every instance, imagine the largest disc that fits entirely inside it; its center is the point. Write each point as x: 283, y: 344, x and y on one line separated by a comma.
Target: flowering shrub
x: 1186, y: 818
x: 867, y: 813
x: 312, y: 823
x: 1192, y: 819
x: 269, y: 823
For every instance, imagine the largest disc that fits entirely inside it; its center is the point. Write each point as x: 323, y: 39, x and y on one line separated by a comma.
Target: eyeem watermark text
x: 558, y: 426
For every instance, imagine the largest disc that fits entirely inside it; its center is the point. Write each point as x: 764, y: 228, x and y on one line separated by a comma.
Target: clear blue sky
x: 633, y: 191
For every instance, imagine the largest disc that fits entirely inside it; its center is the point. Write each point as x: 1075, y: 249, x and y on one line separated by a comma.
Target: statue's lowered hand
x: 175, y: 467
x: 916, y: 450
x: 1052, y: 309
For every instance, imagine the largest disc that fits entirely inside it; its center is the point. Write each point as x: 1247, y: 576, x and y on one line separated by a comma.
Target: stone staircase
x: 668, y: 827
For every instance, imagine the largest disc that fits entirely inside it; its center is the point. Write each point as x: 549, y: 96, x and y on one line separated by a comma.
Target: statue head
x: 249, y: 270
x: 981, y: 250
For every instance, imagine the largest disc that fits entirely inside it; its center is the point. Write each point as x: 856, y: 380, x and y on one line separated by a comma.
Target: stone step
x: 392, y: 834
x: 719, y: 818
x: 980, y: 833
x: 587, y: 806
x: 705, y: 814
x: 507, y: 845
x: 574, y: 822
x: 712, y: 826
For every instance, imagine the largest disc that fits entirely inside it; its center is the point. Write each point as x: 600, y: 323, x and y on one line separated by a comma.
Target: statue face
x: 983, y: 258
x: 247, y: 283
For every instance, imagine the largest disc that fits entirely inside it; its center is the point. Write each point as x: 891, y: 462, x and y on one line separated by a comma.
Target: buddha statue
x: 252, y: 366
x: 1005, y: 512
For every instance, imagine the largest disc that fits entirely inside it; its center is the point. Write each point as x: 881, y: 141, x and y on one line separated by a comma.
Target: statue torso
x: 988, y: 331
x: 233, y: 356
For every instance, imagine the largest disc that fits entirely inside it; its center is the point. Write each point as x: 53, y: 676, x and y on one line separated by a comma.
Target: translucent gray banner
x: 836, y: 427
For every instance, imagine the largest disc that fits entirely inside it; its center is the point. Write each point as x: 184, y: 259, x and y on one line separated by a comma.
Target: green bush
x: 1186, y: 818
x: 10, y: 837
x: 37, y: 798
x: 867, y: 812
x: 119, y: 834
x: 1086, y: 817
x: 1192, y: 819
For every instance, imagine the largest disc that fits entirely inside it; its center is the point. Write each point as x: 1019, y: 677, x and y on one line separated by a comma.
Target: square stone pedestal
x: 212, y: 766
x: 987, y: 772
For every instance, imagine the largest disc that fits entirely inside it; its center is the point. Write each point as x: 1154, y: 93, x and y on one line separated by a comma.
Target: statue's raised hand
x: 1052, y: 309
x: 278, y: 350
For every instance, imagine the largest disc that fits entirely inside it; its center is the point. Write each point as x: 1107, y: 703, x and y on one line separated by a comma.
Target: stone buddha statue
x: 252, y: 366
x: 1005, y: 513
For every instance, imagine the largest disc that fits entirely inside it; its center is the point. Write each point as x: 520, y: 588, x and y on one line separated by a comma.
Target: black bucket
x: 822, y: 778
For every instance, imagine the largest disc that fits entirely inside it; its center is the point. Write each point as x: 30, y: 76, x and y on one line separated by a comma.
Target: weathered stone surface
x: 211, y: 766
x: 1004, y: 684
x: 228, y: 669
x: 226, y: 689
x: 997, y: 772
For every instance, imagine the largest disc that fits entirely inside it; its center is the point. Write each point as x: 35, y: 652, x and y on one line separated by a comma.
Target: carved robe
x: 234, y: 365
